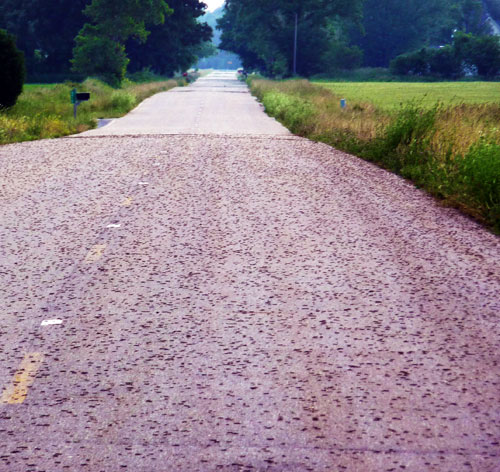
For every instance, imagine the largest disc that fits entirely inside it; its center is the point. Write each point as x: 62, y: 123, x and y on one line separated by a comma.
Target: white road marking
x: 51, y: 322
x: 114, y: 225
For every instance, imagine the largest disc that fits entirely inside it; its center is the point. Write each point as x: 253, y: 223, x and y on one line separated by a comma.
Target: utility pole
x: 295, y: 44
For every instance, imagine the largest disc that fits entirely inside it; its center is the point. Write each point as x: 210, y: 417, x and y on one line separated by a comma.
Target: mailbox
x: 83, y: 97
x: 77, y: 98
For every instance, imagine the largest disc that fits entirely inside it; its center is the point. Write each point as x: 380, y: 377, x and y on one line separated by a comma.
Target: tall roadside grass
x: 46, y: 111
x: 452, y: 151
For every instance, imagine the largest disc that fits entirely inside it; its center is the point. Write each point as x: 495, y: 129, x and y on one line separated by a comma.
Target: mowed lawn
x: 390, y: 95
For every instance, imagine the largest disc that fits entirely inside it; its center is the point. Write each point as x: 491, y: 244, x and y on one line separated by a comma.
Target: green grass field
x: 390, y: 95
x: 28, y: 87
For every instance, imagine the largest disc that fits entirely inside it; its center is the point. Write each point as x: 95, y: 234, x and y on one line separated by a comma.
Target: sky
x: 213, y: 4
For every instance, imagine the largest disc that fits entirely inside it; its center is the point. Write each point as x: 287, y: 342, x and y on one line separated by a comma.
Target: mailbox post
x: 77, y: 98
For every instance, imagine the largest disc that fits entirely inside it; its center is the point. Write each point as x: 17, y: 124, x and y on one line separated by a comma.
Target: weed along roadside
x: 450, y: 150
x: 48, y: 112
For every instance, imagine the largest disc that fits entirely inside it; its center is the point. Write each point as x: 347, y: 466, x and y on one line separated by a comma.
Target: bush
x: 475, y: 53
x: 123, y: 100
x: 143, y: 76
x: 414, y: 63
x: 444, y: 62
x: 479, y: 173
x: 405, y: 142
x: 279, y: 67
x: 481, y: 52
x: 340, y: 56
x: 12, y: 72
x: 295, y: 112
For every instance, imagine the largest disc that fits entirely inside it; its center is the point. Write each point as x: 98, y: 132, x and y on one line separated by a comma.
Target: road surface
x: 192, y: 288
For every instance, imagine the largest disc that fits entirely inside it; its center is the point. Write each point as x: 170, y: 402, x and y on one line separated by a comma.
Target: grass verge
x: 45, y: 111
x: 452, y: 151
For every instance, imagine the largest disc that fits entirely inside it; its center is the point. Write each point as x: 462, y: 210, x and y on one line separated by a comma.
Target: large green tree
x: 393, y: 27
x: 173, y: 45
x: 468, y: 53
x: 45, y: 30
x: 262, y: 32
x: 100, y: 45
x: 481, y: 53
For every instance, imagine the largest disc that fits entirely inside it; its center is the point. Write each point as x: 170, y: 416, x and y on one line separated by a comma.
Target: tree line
x: 343, y: 34
x: 106, y: 37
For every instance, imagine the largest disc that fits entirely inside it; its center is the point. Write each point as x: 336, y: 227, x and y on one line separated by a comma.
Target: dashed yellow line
x: 95, y: 253
x: 17, y: 391
x: 127, y: 202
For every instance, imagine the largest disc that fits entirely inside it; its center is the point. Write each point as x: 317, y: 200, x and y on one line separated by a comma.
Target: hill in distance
x: 223, y: 59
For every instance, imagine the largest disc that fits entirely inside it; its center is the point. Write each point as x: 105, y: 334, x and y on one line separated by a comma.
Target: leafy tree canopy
x: 262, y: 32
x: 175, y: 44
x: 122, y: 19
x: 468, y: 53
x: 392, y: 27
x: 45, y: 30
x: 100, y: 48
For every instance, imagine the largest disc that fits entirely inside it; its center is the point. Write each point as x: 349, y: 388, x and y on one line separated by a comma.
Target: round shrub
x: 413, y: 63
x: 12, y: 70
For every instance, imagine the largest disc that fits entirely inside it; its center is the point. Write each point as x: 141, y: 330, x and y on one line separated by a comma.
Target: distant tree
x: 12, y: 73
x: 210, y: 18
x: 221, y: 59
x: 481, y: 52
x: 392, y: 27
x: 174, y: 45
x: 113, y: 22
x: 471, y: 17
x: 445, y: 62
x: 205, y: 49
x: 415, y: 63
x: 262, y: 32
x: 341, y: 56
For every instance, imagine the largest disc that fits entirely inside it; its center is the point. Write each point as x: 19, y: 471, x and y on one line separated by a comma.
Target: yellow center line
x: 17, y: 391
x: 95, y: 253
x: 127, y: 202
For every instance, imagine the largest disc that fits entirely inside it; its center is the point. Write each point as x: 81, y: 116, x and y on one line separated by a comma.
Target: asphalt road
x: 192, y: 288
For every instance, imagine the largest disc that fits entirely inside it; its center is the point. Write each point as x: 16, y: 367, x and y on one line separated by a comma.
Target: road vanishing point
x: 193, y: 288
